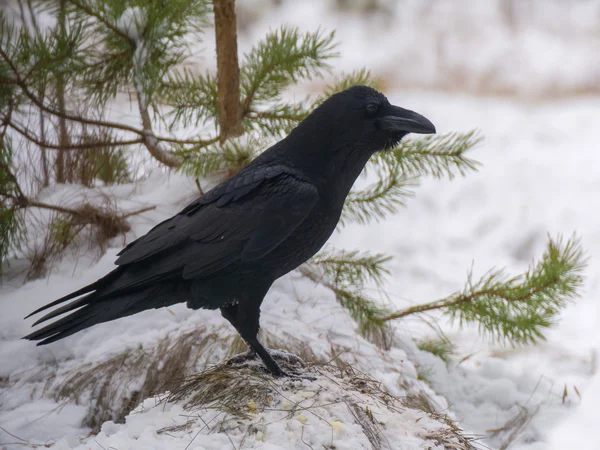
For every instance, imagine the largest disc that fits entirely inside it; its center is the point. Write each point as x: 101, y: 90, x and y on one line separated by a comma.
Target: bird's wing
x: 242, y: 219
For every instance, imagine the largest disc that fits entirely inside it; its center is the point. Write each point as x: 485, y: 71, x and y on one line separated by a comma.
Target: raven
x: 227, y: 248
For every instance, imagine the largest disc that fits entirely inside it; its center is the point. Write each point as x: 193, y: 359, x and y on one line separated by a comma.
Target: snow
x: 540, y: 175
x: 132, y: 22
x: 549, y: 50
x: 321, y: 413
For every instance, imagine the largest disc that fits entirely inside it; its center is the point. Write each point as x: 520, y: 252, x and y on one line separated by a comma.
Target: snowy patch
x: 132, y: 22
x: 234, y: 407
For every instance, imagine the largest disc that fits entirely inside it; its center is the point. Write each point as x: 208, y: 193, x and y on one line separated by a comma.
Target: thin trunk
x: 45, y: 169
x: 63, y: 133
x: 149, y: 138
x: 228, y: 72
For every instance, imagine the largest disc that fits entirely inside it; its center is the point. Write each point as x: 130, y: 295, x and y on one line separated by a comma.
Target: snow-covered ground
x: 540, y: 175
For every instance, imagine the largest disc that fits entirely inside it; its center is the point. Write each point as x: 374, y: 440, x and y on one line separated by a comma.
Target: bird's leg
x: 246, y: 322
x: 230, y: 313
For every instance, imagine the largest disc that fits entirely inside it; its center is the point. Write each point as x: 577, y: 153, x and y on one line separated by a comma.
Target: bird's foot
x: 295, y: 376
x: 286, y: 357
x: 292, y: 363
x: 241, y: 358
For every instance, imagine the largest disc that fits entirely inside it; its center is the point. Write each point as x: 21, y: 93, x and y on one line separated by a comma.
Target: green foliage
x: 193, y: 98
x: 284, y: 57
x: 353, y: 268
x: 11, y: 226
x: 518, y: 309
x: 441, y: 347
x: 346, y: 273
x: 135, y: 42
x: 381, y: 198
x: 344, y: 81
x: 227, y: 158
x: 61, y: 232
x: 112, y: 166
x: 399, y: 169
x: 436, y: 155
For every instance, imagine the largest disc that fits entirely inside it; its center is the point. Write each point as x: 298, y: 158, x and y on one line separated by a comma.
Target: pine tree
x: 98, y: 49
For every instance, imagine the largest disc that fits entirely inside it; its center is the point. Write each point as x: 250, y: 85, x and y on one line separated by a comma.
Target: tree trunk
x: 63, y: 133
x: 228, y: 72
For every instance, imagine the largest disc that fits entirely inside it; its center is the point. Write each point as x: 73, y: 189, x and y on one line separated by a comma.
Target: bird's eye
x: 372, y: 109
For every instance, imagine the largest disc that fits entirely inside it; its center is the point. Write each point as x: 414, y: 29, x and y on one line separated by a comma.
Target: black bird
x: 225, y: 249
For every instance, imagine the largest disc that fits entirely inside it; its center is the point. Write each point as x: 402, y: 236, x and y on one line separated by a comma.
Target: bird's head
x: 365, y: 117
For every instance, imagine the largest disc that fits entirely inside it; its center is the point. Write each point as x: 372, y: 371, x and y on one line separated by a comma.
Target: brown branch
x: 139, y: 211
x: 150, y: 140
x: 62, y: 158
x: 228, y: 71
x: 199, y: 142
x: 465, y: 298
x: 102, y: 19
x: 25, y: 202
x: 83, y: 146
x: 270, y: 115
x: 20, y: 195
x: 40, y: 104
x: 147, y: 135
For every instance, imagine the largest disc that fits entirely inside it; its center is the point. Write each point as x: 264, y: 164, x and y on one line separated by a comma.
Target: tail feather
x: 66, y: 308
x: 83, y: 290
x: 101, y: 283
x: 96, y: 308
x: 65, y: 326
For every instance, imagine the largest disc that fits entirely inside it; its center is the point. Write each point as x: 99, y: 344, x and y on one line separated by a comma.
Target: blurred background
x: 530, y: 49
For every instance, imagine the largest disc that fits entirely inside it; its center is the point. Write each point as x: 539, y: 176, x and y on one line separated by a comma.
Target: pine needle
x: 516, y: 310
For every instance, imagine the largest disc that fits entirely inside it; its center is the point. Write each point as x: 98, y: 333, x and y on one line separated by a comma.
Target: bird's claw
x: 242, y: 357
x: 286, y: 357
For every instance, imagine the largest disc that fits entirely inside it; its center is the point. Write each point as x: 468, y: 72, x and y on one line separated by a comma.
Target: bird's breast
x: 306, y: 240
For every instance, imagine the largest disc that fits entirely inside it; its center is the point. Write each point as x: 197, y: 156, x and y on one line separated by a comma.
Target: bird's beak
x: 404, y: 120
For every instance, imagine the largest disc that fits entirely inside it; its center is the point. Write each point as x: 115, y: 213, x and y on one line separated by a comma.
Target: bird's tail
x: 95, y: 307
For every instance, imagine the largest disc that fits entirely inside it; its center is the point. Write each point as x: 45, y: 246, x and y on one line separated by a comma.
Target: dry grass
x: 451, y: 436
x: 114, y: 387
x: 234, y: 392
x: 237, y: 393
x: 88, y: 227
x: 509, y: 432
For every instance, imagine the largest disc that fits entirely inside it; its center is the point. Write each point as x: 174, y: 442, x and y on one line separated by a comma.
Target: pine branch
x: 282, y: 58
x: 82, y: 146
x: 353, y: 267
x: 19, y: 81
x: 277, y: 120
x: 437, y: 155
x: 518, y: 309
x: 228, y: 158
x: 11, y: 224
x: 345, y: 273
x: 194, y: 98
x: 379, y: 199
x: 358, y: 77
x: 99, y: 16
x: 398, y: 170
x: 363, y: 310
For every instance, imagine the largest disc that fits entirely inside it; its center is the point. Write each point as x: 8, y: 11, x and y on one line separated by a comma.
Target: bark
x: 63, y: 133
x: 228, y: 72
